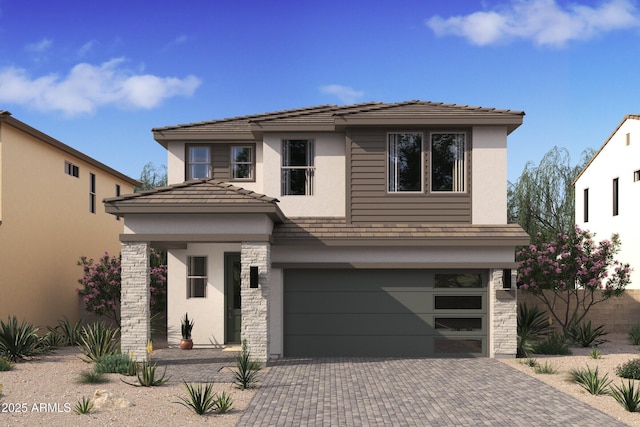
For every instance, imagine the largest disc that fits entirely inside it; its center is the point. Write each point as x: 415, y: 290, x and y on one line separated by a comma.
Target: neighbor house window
x: 71, y: 169
x: 117, y: 195
x: 242, y: 163
x: 636, y: 176
x: 586, y: 205
x: 404, y: 158
x: 92, y: 193
x: 198, y: 161
x: 615, y: 196
x: 196, y: 276
x: 297, y: 167
x: 448, y: 162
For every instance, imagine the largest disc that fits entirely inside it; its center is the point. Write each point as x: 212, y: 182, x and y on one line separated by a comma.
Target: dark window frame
x: 251, y: 164
x: 615, y: 196
x: 461, y: 175
x: 288, y: 171
x: 585, y: 203
x: 188, y: 162
x: 199, y: 280
x: 393, y: 177
x: 71, y: 169
x: 92, y: 192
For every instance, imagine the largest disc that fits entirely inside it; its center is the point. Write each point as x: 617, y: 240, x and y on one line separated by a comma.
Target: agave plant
x: 98, y: 340
x: 246, y: 373
x: 19, y: 341
x: 200, y: 400
x: 532, y: 326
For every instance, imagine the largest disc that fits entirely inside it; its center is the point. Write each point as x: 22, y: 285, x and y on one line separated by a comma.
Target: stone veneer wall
x: 135, y: 296
x: 255, y: 302
x: 504, y: 316
x: 617, y: 315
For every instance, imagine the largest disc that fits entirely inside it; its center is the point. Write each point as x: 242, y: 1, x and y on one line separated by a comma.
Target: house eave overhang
x: 273, y: 212
x: 404, y: 242
x: 164, y: 137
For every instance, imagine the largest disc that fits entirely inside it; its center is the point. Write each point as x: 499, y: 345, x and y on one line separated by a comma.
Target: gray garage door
x: 385, y: 313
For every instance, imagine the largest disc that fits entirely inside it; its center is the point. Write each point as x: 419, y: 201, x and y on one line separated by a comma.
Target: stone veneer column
x: 135, y: 296
x: 255, y: 302
x: 504, y: 315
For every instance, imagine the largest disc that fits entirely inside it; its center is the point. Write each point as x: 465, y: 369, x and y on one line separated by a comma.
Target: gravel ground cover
x: 44, y: 392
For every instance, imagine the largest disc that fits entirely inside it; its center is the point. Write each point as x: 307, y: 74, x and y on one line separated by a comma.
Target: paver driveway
x: 411, y: 392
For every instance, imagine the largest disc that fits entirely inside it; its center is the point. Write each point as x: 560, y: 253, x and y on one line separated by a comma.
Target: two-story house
x: 50, y: 215
x: 607, y: 191
x: 364, y: 230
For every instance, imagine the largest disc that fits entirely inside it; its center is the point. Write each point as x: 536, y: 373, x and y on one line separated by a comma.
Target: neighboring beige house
x: 50, y: 215
x: 363, y: 230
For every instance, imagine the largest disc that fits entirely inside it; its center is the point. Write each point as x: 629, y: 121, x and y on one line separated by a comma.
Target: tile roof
x: 335, y: 231
x: 329, y: 114
x: 194, y: 196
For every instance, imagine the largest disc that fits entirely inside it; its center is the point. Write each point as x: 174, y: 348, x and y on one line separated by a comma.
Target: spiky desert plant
x: 83, y: 406
x: 200, y: 399
x: 627, y: 395
x: 246, y: 373
x: 98, y: 340
x: 19, y: 341
x: 591, y: 380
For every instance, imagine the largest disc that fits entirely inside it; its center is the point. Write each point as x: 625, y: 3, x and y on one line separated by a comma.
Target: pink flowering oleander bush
x: 579, y: 272
x: 101, y: 281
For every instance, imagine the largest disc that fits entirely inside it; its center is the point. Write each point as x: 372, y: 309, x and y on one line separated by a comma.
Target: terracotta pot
x: 186, y: 344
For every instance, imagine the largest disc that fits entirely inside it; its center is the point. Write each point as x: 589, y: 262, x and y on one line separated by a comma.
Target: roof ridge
x: 247, y: 117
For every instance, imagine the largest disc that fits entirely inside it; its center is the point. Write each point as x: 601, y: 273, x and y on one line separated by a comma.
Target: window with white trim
x: 404, y: 162
x: 196, y: 277
x: 448, y: 161
x: 297, y: 167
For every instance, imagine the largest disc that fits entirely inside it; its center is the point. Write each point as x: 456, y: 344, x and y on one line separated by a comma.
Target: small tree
x: 578, y: 272
x: 101, y: 284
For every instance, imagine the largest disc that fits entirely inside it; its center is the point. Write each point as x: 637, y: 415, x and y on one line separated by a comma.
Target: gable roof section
x: 627, y: 117
x: 330, y: 118
x: 332, y: 231
x: 6, y: 117
x: 195, y: 196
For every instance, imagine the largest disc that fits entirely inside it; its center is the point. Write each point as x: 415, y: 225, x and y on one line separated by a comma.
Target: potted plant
x: 187, y: 325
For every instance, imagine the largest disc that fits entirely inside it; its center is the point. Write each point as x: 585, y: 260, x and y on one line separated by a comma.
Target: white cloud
x: 543, y: 21
x: 40, y: 46
x: 86, y: 48
x: 88, y: 87
x: 344, y: 93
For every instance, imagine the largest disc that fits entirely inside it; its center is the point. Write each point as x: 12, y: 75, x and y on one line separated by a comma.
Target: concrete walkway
x: 411, y: 392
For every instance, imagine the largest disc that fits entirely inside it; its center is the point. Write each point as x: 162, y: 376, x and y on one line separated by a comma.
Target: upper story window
x: 198, y: 161
x: 448, y: 162
x: 71, y: 169
x: 615, y: 196
x: 585, y: 201
x: 636, y: 176
x: 242, y: 163
x: 404, y: 162
x: 297, y: 167
x: 92, y: 193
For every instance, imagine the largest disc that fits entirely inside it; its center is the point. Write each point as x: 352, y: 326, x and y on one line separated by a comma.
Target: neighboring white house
x: 362, y: 230
x: 607, y: 193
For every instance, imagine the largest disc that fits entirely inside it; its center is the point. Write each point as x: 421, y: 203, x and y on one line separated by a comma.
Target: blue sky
x: 99, y: 75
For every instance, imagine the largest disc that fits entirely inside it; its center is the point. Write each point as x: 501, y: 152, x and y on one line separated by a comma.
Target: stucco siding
x: 489, y: 175
x: 46, y: 226
x: 615, y: 160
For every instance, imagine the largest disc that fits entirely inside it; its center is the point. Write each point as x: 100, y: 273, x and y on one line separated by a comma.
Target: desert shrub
x: 5, y: 365
x: 532, y: 326
x: 83, y: 406
x: 630, y: 370
x: 92, y: 377
x: 98, y: 340
x: 70, y: 334
x: 246, y: 373
x: 223, y: 403
x: 585, y: 335
x: 591, y: 380
x: 547, y: 368
x: 200, y: 400
x: 19, y: 341
x: 553, y: 344
x: 627, y: 395
x: 115, y: 364
x: 53, y: 340
x: 595, y: 353
x: 634, y: 334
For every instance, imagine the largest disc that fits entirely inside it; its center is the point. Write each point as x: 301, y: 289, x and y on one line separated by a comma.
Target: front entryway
x: 232, y: 299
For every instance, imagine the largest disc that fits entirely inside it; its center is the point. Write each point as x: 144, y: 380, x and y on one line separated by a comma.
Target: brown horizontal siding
x: 369, y: 200
x: 221, y: 159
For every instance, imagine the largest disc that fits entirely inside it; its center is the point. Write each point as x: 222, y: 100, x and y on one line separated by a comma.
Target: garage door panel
x: 357, y: 302
x: 352, y: 324
x: 354, y: 280
x: 359, y: 346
